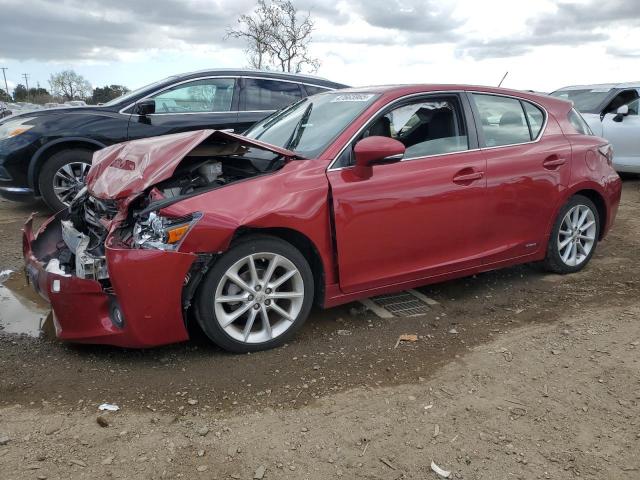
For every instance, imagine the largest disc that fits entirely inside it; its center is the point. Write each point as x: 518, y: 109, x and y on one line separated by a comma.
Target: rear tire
x: 574, y: 236
x: 256, y: 296
x: 63, y: 176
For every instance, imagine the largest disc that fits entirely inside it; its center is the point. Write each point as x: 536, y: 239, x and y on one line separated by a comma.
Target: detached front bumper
x: 141, y: 307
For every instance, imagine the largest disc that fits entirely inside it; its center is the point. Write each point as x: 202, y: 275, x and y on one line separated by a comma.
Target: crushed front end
x: 103, y: 289
x: 115, y: 265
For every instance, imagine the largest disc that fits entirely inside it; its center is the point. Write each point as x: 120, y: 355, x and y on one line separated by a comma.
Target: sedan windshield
x: 585, y: 100
x: 310, y: 125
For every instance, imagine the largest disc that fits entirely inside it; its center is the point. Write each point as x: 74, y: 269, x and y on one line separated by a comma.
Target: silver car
x: 611, y: 110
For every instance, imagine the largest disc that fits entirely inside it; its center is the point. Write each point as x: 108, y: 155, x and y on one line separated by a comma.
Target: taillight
x: 607, y: 152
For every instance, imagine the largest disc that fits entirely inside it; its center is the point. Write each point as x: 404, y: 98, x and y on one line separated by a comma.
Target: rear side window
x: 269, y: 94
x: 578, y: 122
x: 502, y: 119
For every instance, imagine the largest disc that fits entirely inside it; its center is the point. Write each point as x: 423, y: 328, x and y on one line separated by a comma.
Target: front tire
x: 63, y: 176
x: 256, y: 296
x: 574, y: 236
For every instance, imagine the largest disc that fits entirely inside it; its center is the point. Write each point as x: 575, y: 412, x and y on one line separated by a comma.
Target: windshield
x: 130, y: 95
x: 585, y: 100
x: 310, y: 125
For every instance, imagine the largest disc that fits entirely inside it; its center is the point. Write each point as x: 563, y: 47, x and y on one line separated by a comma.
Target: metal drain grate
x: 409, y: 303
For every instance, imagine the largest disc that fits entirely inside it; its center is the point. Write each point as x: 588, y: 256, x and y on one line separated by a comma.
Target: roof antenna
x: 505, y: 76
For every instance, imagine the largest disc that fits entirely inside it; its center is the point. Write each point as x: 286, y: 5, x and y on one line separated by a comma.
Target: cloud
x: 97, y: 30
x: 572, y: 24
x: 621, y: 52
x: 415, y: 21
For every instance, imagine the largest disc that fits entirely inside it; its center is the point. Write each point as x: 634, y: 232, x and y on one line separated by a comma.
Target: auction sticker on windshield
x: 353, y: 97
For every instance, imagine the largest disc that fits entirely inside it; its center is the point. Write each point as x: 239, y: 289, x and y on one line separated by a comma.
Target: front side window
x: 623, y: 98
x: 578, y: 123
x: 425, y: 127
x: 309, y: 126
x: 633, y: 107
x: 502, y: 119
x: 269, y: 94
x: 206, y: 95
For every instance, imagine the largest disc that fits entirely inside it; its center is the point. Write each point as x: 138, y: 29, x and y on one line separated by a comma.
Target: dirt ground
x: 517, y: 374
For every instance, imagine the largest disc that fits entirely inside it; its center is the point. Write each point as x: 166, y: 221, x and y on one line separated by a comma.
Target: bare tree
x: 277, y: 37
x: 70, y: 85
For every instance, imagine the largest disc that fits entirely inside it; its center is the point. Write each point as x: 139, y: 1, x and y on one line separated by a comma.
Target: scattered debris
x: 387, y: 463
x: 344, y: 333
x: 79, y: 463
x: 110, y: 407
x: 439, y: 471
x: 436, y: 430
x: 4, y: 275
x: 4, y: 439
x: 453, y: 331
x: 406, y: 337
x: 202, y: 468
x: 259, y: 473
x: 102, y: 421
x: 192, y: 401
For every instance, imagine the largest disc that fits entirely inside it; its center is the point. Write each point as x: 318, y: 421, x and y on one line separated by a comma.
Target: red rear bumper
x: 146, y: 288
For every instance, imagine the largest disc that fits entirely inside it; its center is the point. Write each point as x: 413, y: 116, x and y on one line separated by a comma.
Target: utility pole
x: 26, y: 80
x: 4, y: 69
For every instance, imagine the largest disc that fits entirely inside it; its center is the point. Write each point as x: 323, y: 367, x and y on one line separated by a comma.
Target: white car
x: 611, y: 110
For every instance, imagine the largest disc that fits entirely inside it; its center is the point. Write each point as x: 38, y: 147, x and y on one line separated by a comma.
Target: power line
x: 4, y: 69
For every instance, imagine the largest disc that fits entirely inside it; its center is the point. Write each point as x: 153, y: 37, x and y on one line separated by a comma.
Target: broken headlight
x: 162, y: 233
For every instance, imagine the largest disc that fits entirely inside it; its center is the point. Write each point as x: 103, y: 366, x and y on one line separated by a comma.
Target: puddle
x: 22, y: 311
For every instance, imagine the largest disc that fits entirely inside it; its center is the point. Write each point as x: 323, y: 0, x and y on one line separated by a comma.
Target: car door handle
x: 466, y: 176
x: 553, y: 161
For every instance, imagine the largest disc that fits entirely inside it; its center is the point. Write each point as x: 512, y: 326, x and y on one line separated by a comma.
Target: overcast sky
x: 544, y: 44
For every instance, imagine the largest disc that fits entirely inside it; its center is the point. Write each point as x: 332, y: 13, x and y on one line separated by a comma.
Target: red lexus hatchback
x: 340, y: 196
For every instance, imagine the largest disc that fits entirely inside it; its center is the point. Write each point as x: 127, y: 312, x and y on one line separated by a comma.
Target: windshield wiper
x: 296, y: 135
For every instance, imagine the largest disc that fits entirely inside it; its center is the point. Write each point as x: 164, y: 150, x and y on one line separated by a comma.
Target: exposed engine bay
x: 89, y: 220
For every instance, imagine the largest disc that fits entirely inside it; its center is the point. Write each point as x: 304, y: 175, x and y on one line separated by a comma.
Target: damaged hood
x: 128, y: 168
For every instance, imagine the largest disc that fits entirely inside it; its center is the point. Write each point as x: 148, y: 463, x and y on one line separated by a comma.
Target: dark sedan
x: 47, y: 153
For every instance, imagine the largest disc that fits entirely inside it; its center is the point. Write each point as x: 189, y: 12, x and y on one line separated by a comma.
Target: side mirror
x: 372, y: 150
x: 146, y: 107
x: 621, y: 112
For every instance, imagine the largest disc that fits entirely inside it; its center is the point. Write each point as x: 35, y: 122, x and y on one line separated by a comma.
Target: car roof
x: 401, y: 90
x: 296, y: 77
x: 608, y: 86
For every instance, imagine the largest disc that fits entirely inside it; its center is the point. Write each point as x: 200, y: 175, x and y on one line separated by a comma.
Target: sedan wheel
x: 259, y: 297
x: 577, y: 235
x: 574, y: 237
x: 69, y: 179
x: 256, y: 296
x: 63, y: 175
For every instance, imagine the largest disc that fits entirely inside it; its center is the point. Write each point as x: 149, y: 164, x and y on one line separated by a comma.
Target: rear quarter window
x: 535, y: 117
x: 578, y: 123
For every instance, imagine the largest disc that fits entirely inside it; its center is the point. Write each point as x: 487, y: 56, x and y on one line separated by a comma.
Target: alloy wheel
x: 259, y: 297
x: 577, y: 235
x: 69, y: 180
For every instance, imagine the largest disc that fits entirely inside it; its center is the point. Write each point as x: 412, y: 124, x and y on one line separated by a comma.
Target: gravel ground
x: 540, y: 380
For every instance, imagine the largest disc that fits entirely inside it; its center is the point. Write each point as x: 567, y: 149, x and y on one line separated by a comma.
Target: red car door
x: 417, y: 218
x: 528, y: 165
